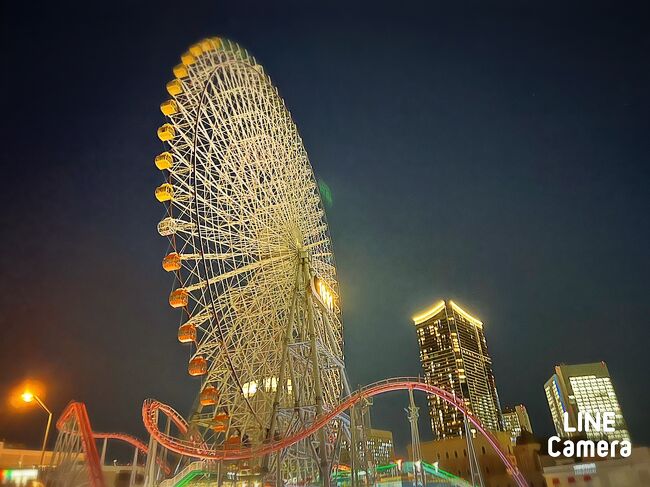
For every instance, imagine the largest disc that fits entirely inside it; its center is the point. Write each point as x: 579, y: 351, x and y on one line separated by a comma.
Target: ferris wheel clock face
x: 250, y: 250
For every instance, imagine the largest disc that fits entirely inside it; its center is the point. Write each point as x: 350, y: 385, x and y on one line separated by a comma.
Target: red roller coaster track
x: 76, y: 411
x: 194, y: 449
x: 133, y: 441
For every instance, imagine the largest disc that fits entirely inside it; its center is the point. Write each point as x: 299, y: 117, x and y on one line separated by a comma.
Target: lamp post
x: 28, y: 397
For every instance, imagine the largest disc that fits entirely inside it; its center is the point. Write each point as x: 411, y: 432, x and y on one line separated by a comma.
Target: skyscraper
x: 380, y: 446
x: 516, y: 420
x: 454, y: 357
x: 584, y: 388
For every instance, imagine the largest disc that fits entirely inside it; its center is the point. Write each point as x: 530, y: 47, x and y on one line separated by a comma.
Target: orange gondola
x: 172, y: 262
x: 221, y: 416
x: 178, y: 298
x: 197, y: 366
x: 187, y: 333
x: 218, y: 427
x: 233, y: 441
x: 219, y: 422
x: 209, y: 396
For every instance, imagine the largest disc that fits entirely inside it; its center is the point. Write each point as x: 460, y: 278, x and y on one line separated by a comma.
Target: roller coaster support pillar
x: 134, y: 467
x: 413, y: 415
x: 150, y: 466
x: 364, y: 427
x: 163, y: 459
x: 474, y: 466
x: 353, y: 447
x: 102, y: 461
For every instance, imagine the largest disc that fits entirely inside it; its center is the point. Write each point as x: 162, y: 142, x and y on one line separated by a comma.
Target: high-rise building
x: 380, y: 446
x: 454, y: 357
x: 584, y: 388
x: 516, y: 420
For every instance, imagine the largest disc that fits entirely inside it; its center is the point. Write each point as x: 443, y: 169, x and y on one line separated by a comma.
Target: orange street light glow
x: 27, y: 396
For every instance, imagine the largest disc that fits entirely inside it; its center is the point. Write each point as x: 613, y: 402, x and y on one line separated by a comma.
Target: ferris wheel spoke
x: 235, y: 272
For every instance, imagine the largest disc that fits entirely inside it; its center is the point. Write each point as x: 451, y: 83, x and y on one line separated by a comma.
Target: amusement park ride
x: 255, y: 281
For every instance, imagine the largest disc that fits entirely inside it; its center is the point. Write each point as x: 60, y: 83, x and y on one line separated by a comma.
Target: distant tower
x: 584, y: 388
x: 454, y: 357
x: 516, y: 420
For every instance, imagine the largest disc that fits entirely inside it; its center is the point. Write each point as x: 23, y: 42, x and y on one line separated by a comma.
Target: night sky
x: 496, y: 155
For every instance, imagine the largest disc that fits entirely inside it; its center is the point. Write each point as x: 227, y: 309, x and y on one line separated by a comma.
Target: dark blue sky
x: 494, y: 154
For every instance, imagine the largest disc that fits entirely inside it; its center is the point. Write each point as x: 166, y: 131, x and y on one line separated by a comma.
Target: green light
x: 19, y: 474
x: 189, y: 477
x: 407, y: 466
x: 326, y: 193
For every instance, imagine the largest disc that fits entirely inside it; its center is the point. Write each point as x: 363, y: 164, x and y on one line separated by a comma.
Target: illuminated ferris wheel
x: 250, y: 249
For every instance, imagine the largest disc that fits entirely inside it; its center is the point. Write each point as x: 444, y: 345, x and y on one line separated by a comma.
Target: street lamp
x: 28, y: 397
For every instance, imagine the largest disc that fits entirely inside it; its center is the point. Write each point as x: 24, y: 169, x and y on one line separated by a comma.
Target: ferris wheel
x: 255, y: 277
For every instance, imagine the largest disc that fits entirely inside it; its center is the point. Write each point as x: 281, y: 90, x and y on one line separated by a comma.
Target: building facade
x: 633, y: 471
x: 451, y: 455
x: 516, y: 420
x: 454, y: 357
x: 380, y: 446
x: 584, y: 388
